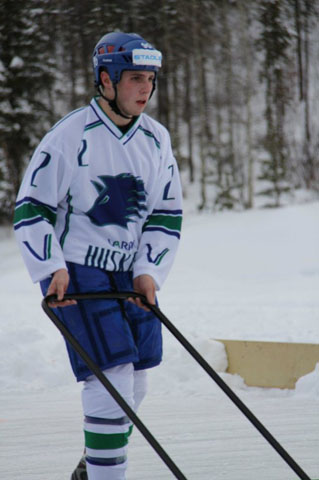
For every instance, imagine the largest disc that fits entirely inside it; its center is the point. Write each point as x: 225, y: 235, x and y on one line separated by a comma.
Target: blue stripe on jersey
x: 35, y: 202
x: 29, y: 211
x: 169, y: 212
x: 166, y: 221
x: 27, y: 223
x: 164, y: 230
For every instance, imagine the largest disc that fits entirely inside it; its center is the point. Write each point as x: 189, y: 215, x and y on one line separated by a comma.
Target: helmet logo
x: 119, y: 51
x: 146, y: 57
x: 146, y: 45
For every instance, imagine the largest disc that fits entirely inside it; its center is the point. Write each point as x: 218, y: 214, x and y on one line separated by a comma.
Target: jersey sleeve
x: 45, y: 184
x: 162, y: 229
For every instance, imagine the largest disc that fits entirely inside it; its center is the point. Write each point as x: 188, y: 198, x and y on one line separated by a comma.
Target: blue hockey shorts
x: 112, y: 332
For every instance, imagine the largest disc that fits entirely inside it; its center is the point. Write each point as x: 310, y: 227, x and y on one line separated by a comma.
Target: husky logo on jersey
x: 120, y: 199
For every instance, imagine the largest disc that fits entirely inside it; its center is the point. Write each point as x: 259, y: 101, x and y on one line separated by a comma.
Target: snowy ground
x: 251, y: 275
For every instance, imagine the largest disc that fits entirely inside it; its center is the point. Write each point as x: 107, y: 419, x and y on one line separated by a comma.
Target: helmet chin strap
x: 113, y: 104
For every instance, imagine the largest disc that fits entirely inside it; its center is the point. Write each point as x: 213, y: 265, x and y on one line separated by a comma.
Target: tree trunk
x: 299, y: 49
x: 229, y: 90
x: 176, y: 121
x: 310, y: 169
x: 248, y: 182
x: 189, y: 118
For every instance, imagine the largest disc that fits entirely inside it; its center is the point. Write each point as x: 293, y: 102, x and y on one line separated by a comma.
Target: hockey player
x: 99, y: 209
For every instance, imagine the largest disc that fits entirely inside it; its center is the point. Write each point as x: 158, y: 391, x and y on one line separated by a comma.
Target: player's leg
x: 106, y: 427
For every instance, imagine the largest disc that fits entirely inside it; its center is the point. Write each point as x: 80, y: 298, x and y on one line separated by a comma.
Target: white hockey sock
x: 140, y: 387
x: 106, y: 427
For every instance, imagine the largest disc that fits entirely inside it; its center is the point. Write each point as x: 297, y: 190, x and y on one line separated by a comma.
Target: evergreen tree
x: 27, y: 73
x: 225, y: 169
x: 274, y: 42
x: 207, y: 91
x: 306, y: 15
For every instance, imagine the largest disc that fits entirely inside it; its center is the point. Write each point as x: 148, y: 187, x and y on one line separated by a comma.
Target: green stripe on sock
x: 104, y: 441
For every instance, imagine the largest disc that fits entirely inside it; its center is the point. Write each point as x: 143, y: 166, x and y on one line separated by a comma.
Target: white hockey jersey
x: 95, y: 196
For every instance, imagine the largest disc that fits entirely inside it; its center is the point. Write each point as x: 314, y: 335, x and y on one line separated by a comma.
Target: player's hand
x: 58, y: 286
x: 145, y: 285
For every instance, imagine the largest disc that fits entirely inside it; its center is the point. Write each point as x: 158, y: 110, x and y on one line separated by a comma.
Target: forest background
x: 238, y: 90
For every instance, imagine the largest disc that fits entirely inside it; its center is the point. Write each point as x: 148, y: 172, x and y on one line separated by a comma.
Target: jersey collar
x: 111, y: 126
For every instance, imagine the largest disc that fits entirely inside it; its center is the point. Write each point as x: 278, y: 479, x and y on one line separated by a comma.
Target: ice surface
x: 252, y: 275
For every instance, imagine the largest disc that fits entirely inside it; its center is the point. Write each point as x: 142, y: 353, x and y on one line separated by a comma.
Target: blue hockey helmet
x: 118, y: 51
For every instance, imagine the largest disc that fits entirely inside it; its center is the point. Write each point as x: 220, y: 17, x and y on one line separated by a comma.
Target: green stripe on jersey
x: 28, y: 211
x: 93, y: 125
x: 150, y: 135
x: 104, y: 441
x: 49, y: 244
x: 167, y: 221
x: 67, y: 219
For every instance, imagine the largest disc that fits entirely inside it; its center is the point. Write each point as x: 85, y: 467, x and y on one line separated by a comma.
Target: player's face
x: 134, y: 90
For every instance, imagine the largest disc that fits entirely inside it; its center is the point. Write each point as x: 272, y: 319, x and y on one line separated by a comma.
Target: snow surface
x: 252, y: 275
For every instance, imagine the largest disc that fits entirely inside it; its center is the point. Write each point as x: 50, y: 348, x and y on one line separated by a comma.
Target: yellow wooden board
x: 270, y: 364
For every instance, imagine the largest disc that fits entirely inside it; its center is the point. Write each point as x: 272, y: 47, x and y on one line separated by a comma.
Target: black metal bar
x: 106, y: 383
x: 202, y: 362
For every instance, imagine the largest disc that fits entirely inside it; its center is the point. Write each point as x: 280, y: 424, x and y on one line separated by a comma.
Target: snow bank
x: 252, y: 275
x: 309, y: 384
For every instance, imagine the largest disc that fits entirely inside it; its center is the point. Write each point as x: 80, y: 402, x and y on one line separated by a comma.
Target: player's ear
x: 105, y: 80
